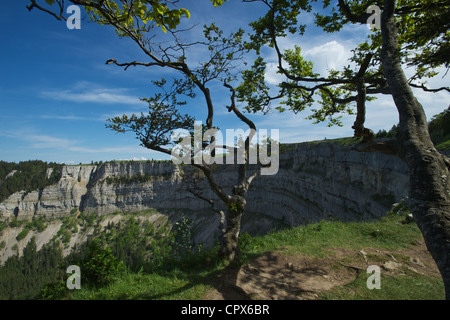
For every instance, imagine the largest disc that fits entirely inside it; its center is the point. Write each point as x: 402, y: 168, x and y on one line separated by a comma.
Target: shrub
x: 22, y: 234
x: 54, y: 290
x: 100, y: 267
x: 183, y: 237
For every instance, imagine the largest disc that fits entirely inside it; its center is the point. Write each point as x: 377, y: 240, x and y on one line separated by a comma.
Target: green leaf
x: 159, y: 8
x: 185, y: 12
x: 50, y: 2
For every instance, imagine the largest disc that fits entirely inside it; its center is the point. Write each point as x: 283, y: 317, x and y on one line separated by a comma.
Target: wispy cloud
x: 96, y: 95
x: 60, y: 117
x: 47, y: 142
x: 117, y: 149
x: 36, y: 140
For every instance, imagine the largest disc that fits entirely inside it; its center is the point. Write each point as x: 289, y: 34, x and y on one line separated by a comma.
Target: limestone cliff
x: 314, y: 182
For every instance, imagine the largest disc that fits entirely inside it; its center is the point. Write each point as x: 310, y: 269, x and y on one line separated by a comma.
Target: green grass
x: 314, y: 239
x: 410, y: 286
x: 340, y: 141
x: 188, y: 279
x: 345, y: 141
x: 191, y: 278
x: 443, y: 146
x: 145, y: 287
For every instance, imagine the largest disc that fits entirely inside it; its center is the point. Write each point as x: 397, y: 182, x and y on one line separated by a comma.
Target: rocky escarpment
x: 326, y: 180
x: 314, y: 182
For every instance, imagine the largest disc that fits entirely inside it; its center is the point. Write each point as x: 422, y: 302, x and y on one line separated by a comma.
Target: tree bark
x: 429, y: 191
x: 230, y: 247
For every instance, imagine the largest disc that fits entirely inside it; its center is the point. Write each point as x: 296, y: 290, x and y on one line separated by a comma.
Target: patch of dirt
x: 274, y: 276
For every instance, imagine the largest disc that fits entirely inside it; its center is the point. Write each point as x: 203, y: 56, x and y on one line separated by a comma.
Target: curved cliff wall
x: 326, y: 180
x: 314, y: 182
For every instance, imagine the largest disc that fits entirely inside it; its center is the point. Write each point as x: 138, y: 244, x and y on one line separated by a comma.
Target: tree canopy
x: 136, y: 15
x: 330, y: 96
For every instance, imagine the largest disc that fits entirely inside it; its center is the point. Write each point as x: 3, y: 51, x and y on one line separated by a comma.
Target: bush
x: 183, y: 237
x: 38, y: 225
x: 100, y: 267
x: 54, y: 291
x: 22, y: 234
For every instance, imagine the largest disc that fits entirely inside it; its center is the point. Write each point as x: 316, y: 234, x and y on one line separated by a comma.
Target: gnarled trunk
x: 230, y: 246
x: 429, y: 201
x: 429, y: 194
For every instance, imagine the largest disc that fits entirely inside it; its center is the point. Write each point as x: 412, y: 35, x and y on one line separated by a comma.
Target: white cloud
x: 332, y: 52
x: 103, y: 96
x: 330, y: 55
x: 135, y: 159
x: 36, y: 140
x: 47, y: 142
x: 433, y: 103
x: 324, y: 52
x: 66, y: 117
x: 119, y: 149
x: 271, y: 75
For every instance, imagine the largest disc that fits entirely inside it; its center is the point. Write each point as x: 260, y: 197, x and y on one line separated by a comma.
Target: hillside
x: 326, y: 260
x: 143, y: 256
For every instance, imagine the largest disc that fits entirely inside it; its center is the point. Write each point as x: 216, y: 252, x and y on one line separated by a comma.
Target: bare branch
x: 58, y: 16
x: 253, y: 176
x: 358, y: 126
x: 193, y: 179
x: 422, y: 86
x: 134, y: 63
x: 236, y: 111
x: 351, y: 16
x: 214, y: 186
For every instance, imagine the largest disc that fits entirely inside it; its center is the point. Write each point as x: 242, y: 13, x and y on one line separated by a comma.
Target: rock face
x: 325, y: 180
x: 314, y: 182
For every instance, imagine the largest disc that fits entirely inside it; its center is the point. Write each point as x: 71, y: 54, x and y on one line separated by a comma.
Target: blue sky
x: 56, y: 91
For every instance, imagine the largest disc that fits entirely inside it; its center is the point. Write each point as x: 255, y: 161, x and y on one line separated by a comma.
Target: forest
x: 26, y: 176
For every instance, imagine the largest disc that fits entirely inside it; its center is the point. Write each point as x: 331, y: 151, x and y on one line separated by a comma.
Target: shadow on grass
x: 204, y: 270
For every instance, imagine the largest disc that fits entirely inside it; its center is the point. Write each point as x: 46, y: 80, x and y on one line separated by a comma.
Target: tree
x: 413, y: 33
x: 138, y: 20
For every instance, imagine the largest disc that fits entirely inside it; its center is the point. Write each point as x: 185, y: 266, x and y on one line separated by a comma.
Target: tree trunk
x: 430, y: 205
x: 429, y: 191
x: 230, y: 246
